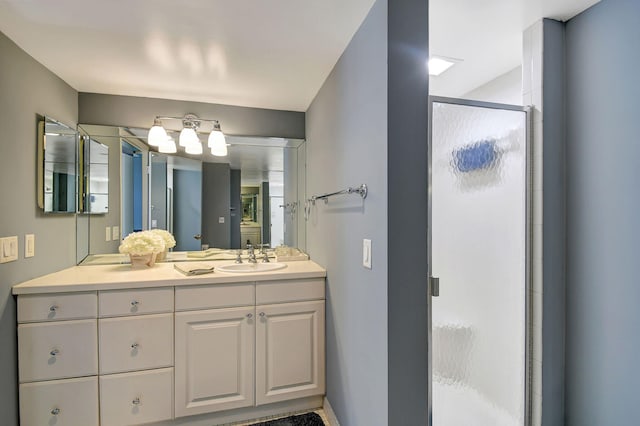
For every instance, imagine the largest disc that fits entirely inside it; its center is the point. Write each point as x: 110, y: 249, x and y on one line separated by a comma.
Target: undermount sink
x: 244, y: 268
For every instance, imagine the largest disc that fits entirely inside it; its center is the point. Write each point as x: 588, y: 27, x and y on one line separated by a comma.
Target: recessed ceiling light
x: 437, y: 65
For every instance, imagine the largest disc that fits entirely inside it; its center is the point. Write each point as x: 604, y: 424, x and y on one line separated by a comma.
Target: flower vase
x: 161, y: 257
x: 142, y: 260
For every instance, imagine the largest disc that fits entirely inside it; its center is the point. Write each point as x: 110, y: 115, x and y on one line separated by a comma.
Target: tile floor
x: 319, y: 411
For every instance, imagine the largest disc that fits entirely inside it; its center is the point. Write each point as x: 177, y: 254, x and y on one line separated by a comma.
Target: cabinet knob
x: 54, y: 352
x: 136, y: 401
x: 53, y: 308
x: 134, y: 346
x: 134, y: 303
x: 249, y: 316
x: 55, y: 411
x: 262, y: 314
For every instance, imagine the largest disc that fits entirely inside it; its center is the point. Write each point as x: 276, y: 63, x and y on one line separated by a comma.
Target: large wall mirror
x: 248, y: 197
x: 57, y: 172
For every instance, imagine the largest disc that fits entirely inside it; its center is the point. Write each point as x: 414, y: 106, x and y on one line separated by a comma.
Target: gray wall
x: 236, y: 208
x: 216, y: 203
x: 603, y: 200
x: 346, y: 146
x: 407, y: 216
x: 554, y: 226
x: 129, y: 111
x: 27, y: 89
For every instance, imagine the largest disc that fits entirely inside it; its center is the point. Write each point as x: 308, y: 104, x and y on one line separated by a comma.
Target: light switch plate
x: 366, y: 253
x: 115, y: 235
x: 29, y: 245
x: 8, y: 249
x: 221, y: 219
x: 107, y: 233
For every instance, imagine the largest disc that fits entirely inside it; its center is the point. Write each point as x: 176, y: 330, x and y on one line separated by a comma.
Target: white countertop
x: 114, y: 277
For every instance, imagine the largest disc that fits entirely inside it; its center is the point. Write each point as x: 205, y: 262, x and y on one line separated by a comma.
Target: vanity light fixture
x: 157, y: 134
x: 188, y: 136
x: 217, y: 141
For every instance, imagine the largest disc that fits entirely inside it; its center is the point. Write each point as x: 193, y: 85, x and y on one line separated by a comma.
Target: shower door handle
x: 434, y: 284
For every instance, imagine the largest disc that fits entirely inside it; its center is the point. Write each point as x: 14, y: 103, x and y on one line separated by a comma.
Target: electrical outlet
x: 29, y: 245
x: 366, y: 253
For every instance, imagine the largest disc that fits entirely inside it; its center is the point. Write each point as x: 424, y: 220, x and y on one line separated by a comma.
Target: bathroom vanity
x: 110, y: 345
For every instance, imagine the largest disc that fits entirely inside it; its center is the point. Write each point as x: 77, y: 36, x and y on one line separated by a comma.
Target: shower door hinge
x: 434, y: 284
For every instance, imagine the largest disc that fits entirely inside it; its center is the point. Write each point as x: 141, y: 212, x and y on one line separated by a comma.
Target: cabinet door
x: 289, y: 351
x: 214, y: 360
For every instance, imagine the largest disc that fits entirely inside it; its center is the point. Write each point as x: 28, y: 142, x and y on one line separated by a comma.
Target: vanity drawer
x: 135, y: 398
x: 60, y: 402
x: 52, y: 307
x: 289, y: 291
x: 135, y: 343
x: 57, y: 350
x: 214, y: 296
x: 135, y: 302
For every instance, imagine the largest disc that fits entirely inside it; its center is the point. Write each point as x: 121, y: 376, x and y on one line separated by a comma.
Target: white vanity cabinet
x: 217, y: 348
x: 135, y: 332
x: 58, y: 359
x: 210, y: 347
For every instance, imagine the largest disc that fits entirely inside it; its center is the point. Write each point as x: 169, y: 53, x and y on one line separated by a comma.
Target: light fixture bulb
x: 157, y: 134
x: 188, y: 136
x: 217, y: 141
x: 194, y: 148
x: 168, y: 146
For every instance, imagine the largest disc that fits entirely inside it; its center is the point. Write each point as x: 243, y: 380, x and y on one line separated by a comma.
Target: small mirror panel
x: 57, y: 167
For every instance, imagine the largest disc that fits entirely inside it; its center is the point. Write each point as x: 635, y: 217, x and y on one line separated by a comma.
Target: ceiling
x: 487, y: 36
x: 269, y: 54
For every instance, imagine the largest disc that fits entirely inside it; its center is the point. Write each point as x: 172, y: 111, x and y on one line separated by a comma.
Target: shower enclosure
x: 479, y: 263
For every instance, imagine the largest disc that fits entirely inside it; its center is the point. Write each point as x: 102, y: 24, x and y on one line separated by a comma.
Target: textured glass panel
x: 478, y: 252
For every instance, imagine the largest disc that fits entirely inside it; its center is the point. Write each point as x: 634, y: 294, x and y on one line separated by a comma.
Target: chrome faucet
x: 263, y: 251
x: 239, y: 257
x: 252, y: 254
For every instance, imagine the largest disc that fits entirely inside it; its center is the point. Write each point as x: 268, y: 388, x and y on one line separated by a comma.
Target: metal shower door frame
x: 528, y: 241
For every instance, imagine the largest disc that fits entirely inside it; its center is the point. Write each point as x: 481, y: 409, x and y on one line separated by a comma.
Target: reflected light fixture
x: 168, y: 146
x: 188, y: 139
x: 436, y: 65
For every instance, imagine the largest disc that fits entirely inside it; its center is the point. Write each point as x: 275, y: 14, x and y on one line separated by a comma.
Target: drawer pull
x: 262, y: 315
x: 54, y: 352
x: 249, y: 316
x: 53, y: 308
x: 134, y: 346
x: 136, y: 401
x: 134, y: 303
x: 55, y: 411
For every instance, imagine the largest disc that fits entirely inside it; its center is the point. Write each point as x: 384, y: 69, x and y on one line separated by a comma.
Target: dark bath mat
x: 308, y: 419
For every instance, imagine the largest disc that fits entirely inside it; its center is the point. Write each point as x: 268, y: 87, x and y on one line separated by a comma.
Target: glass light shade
x: 194, y: 148
x: 188, y: 136
x: 168, y: 146
x: 157, y: 135
x: 217, y: 143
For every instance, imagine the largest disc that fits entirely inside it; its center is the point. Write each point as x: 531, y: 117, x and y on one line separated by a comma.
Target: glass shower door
x: 478, y: 251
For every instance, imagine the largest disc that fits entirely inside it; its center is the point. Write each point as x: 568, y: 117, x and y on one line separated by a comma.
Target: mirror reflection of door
x: 131, y: 191
x: 176, y: 198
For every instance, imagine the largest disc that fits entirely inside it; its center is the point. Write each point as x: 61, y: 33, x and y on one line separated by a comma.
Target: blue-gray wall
x: 216, y: 203
x: 26, y: 89
x: 554, y: 224
x: 368, y: 124
x: 603, y: 201
x: 347, y: 146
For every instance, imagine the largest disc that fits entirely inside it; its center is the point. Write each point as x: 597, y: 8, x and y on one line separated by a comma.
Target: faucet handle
x: 239, y: 257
